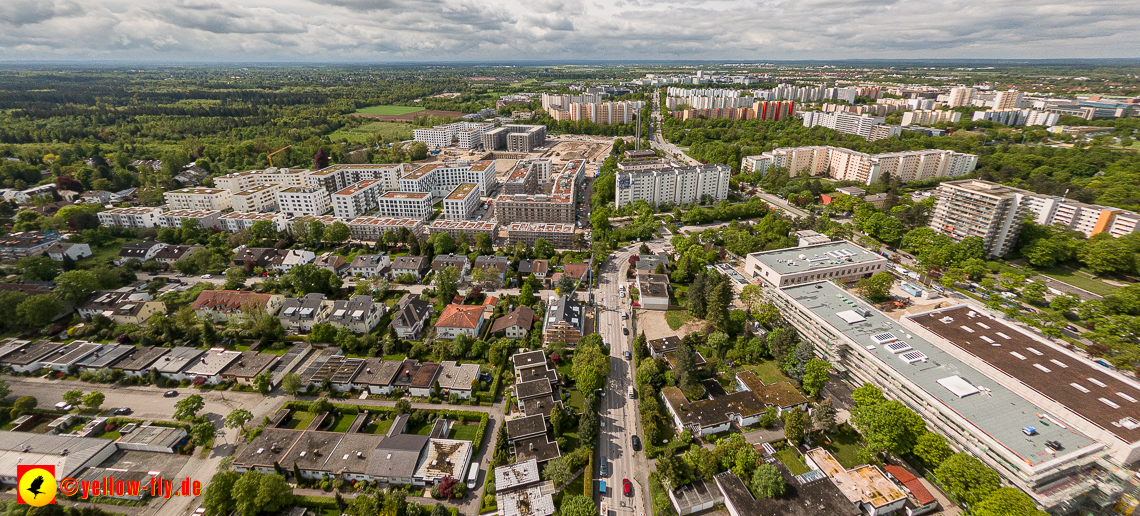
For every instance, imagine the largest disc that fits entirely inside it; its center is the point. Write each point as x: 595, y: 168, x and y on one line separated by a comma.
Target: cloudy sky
x: 498, y: 30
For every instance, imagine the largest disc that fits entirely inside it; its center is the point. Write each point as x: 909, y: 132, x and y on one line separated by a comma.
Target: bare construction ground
x: 580, y: 147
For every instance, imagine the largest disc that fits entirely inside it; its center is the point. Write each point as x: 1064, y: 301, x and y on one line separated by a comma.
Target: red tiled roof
x: 460, y: 316
x: 491, y: 300
x: 912, y: 484
x: 521, y: 316
x: 575, y: 270
x: 228, y: 300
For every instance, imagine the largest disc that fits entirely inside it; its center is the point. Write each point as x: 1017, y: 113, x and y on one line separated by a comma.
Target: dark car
x: 625, y: 331
x: 636, y: 443
x: 627, y: 355
x: 123, y: 411
x: 170, y: 394
x: 626, y: 487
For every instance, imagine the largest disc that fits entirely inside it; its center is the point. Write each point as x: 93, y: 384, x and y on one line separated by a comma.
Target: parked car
x: 170, y: 394
x: 625, y: 331
x: 604, y: 470
x: 636, y: 443
x: 123, y: 411
x: 626, y: 487
x: 63, y: 405
x: 628, y: 356
x: 207, y: 276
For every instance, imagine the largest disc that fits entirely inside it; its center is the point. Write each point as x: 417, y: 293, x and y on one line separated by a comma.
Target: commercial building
x: 1061, y: 468
x: 205, y: 219
x: 466, y: 227
x: 298, y: 201
x: 339, y: 177
x: 439, y: 179
x: 848, y: 165
x: 930, y: 117
x: 256, y: 198
x: 840, y: 261
x: 238, y: 221
x: 356, y: 200
x: 198, y: 199
x: 461, y: 203
x: 412, y: 205
x: 559, y: 235
x: 673, y: 184
x: 372, y: 229
x: 465, y: 135
x: 137, y: 217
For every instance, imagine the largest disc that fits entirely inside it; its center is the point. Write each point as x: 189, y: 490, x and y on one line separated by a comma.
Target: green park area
x: 363, y: 133
x: 388, y: 110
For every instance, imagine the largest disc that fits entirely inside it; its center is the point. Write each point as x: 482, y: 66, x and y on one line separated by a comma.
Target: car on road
x: 63, y: 405
x: 625, y: 331
x: 627, y: 355
x: 636, y: 443
x: 1072, y: 328
x: 626, y: 487
x: 170, y: 394
x: 123, y: 411
x: 604, y: 471
x: 207, y: 276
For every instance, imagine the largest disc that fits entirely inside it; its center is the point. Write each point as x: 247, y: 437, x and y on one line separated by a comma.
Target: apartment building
x: 257, y: 198
x: 974, y: 208
x: 672, y: 184
x: 241, y: 181
x: 358, y: 199
x: 561, y: 101
x: 848, y: 165
x: 847, y: 123
x: 960, y: 97
x: 199, y: 198
x: 930, y: 117
x: 372, y: 229
x: 559, y: 235
x: 839, y: 261
x: 327, y: 220
x: 466, y: 227
x: 600, y: 113
x: 238, y: 221
x: 1019, y: 117
x: 565, y: 320
x: 339, y: 177
x: 1011, y: 99
x: 465, y: 135
x: 461, y: 203
x: 137, y: 217
x: 523, y: 179
x: 298, y: 201
x: 515, y: 138
x: 533, y: 208
x: 174, y: 218
x: 440, y: 179
x: 237, y: 181
x: 542, y: 167
x: 415, y: 205
x: 1063, y: 469
x: 759, y: 110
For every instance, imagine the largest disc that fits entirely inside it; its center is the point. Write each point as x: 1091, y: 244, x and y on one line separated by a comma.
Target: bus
x: 473, y: 476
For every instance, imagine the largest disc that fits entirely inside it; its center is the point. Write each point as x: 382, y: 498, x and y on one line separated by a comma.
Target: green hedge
x: 588, y: 478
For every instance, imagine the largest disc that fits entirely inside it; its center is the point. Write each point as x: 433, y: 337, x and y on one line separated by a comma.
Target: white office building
x: 299, y: 201
x: 673, y: 184
x: 405, y: 205
x: 461, y: 203
x: 356, y: 200
x: 465, y: 135
x: 838, y: 261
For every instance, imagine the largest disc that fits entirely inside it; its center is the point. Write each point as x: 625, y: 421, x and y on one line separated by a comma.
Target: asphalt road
x: 658, y: 140
x: 779, y: 203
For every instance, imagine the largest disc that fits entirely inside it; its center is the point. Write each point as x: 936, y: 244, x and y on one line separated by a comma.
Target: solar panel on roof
x: 884, y: 337
x: 898, y: 347
x: 911, y: 357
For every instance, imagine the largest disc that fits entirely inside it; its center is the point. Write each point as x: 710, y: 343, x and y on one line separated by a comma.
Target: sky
x: 338, y: 31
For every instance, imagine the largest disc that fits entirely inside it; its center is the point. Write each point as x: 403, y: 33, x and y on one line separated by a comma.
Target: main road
x: 657, y: 140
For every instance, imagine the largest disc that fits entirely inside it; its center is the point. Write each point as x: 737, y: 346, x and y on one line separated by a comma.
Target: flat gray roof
x: 107, y: 355
x: 816, y: 257
x: 71, y: 354
x: 178, y: 359
x: 143, y: 358
x: 992, y: 408
x: 46, y: 449
x: 212, y: 363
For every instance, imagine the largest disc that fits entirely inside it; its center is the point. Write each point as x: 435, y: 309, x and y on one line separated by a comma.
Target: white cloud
x: 481, y: 30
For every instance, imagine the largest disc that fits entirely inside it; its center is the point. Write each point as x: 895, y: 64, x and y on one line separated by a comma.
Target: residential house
x: 331, y: 262
x: 359, y: 314
x: 369, y: 265
x: 413, y: 265
x: 28, y: 358
x: 378, y: 375
x: 410, y: 315
x: 565, y: 320
x: 229, y: 305
x: 135, y: 312
x: 300, y: 314
x: 63, y: 358
x: 659, y: 347
x: 256, y: 256
x: 249, y: 365
x: 782, y: 395
x: 416, y: 379
x: 73, y: 250
x: 106, y: 356
x: 577, y: 271
x: 541, y: 271
x: 141, y: 251
x: 104, y: 302
x: 653, y: 291
x: 457, y: 379
x: 494, y: 269
x: 715, y: 415
x: 173, y: 364
x: 525, y: 428
x: 211, y: 364
x: 173, y: 253
x: 515, y: 324
x: 459, y: 319
x: 647, y: 263
x: 141, y: 361
x: 460, y: 262
x: 286, y: 260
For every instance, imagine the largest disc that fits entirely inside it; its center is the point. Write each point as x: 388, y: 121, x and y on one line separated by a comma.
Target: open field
x: 407, y: 117
x: 1079, y: 280
x: 388, y: 110
x: 387, y: 130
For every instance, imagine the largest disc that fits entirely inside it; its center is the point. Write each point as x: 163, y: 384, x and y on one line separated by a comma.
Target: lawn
x: 379, y: 427
x: 791, y: 458
x: 577, y: 400
x: 768, y: 372
x: 464, y: 432
x: 342, y: 423
x: 422, y: 429
x: 299, y: 420
x: 575, y: 487
x: 113, y: 435
x: 388, y: 110
x: 677, y: 318
x: 845, y: 445
x: 106, y: 253
x: 1079, y: 280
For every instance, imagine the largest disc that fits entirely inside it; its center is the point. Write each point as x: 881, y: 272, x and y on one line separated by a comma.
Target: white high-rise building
x: 671, y: 184
x: 356, y: 200
x: 1008, y: 99
x: 405, y: 205
x: 1019, y: 117
x: 339, y: 177
x: 861, y: 125
x: 439, y: 179
x: 461, y: 203
x: 960, y: 97
x: 300, y: 201
x: 198, y: 199
x: 466, y: 135
x: 849, y: 165
x: 930, y: 117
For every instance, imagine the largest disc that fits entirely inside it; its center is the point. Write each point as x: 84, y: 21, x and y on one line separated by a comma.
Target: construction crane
x: 270, y: 156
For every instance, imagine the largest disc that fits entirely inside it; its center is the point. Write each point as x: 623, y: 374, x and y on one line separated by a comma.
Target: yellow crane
x: 270, y: 155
